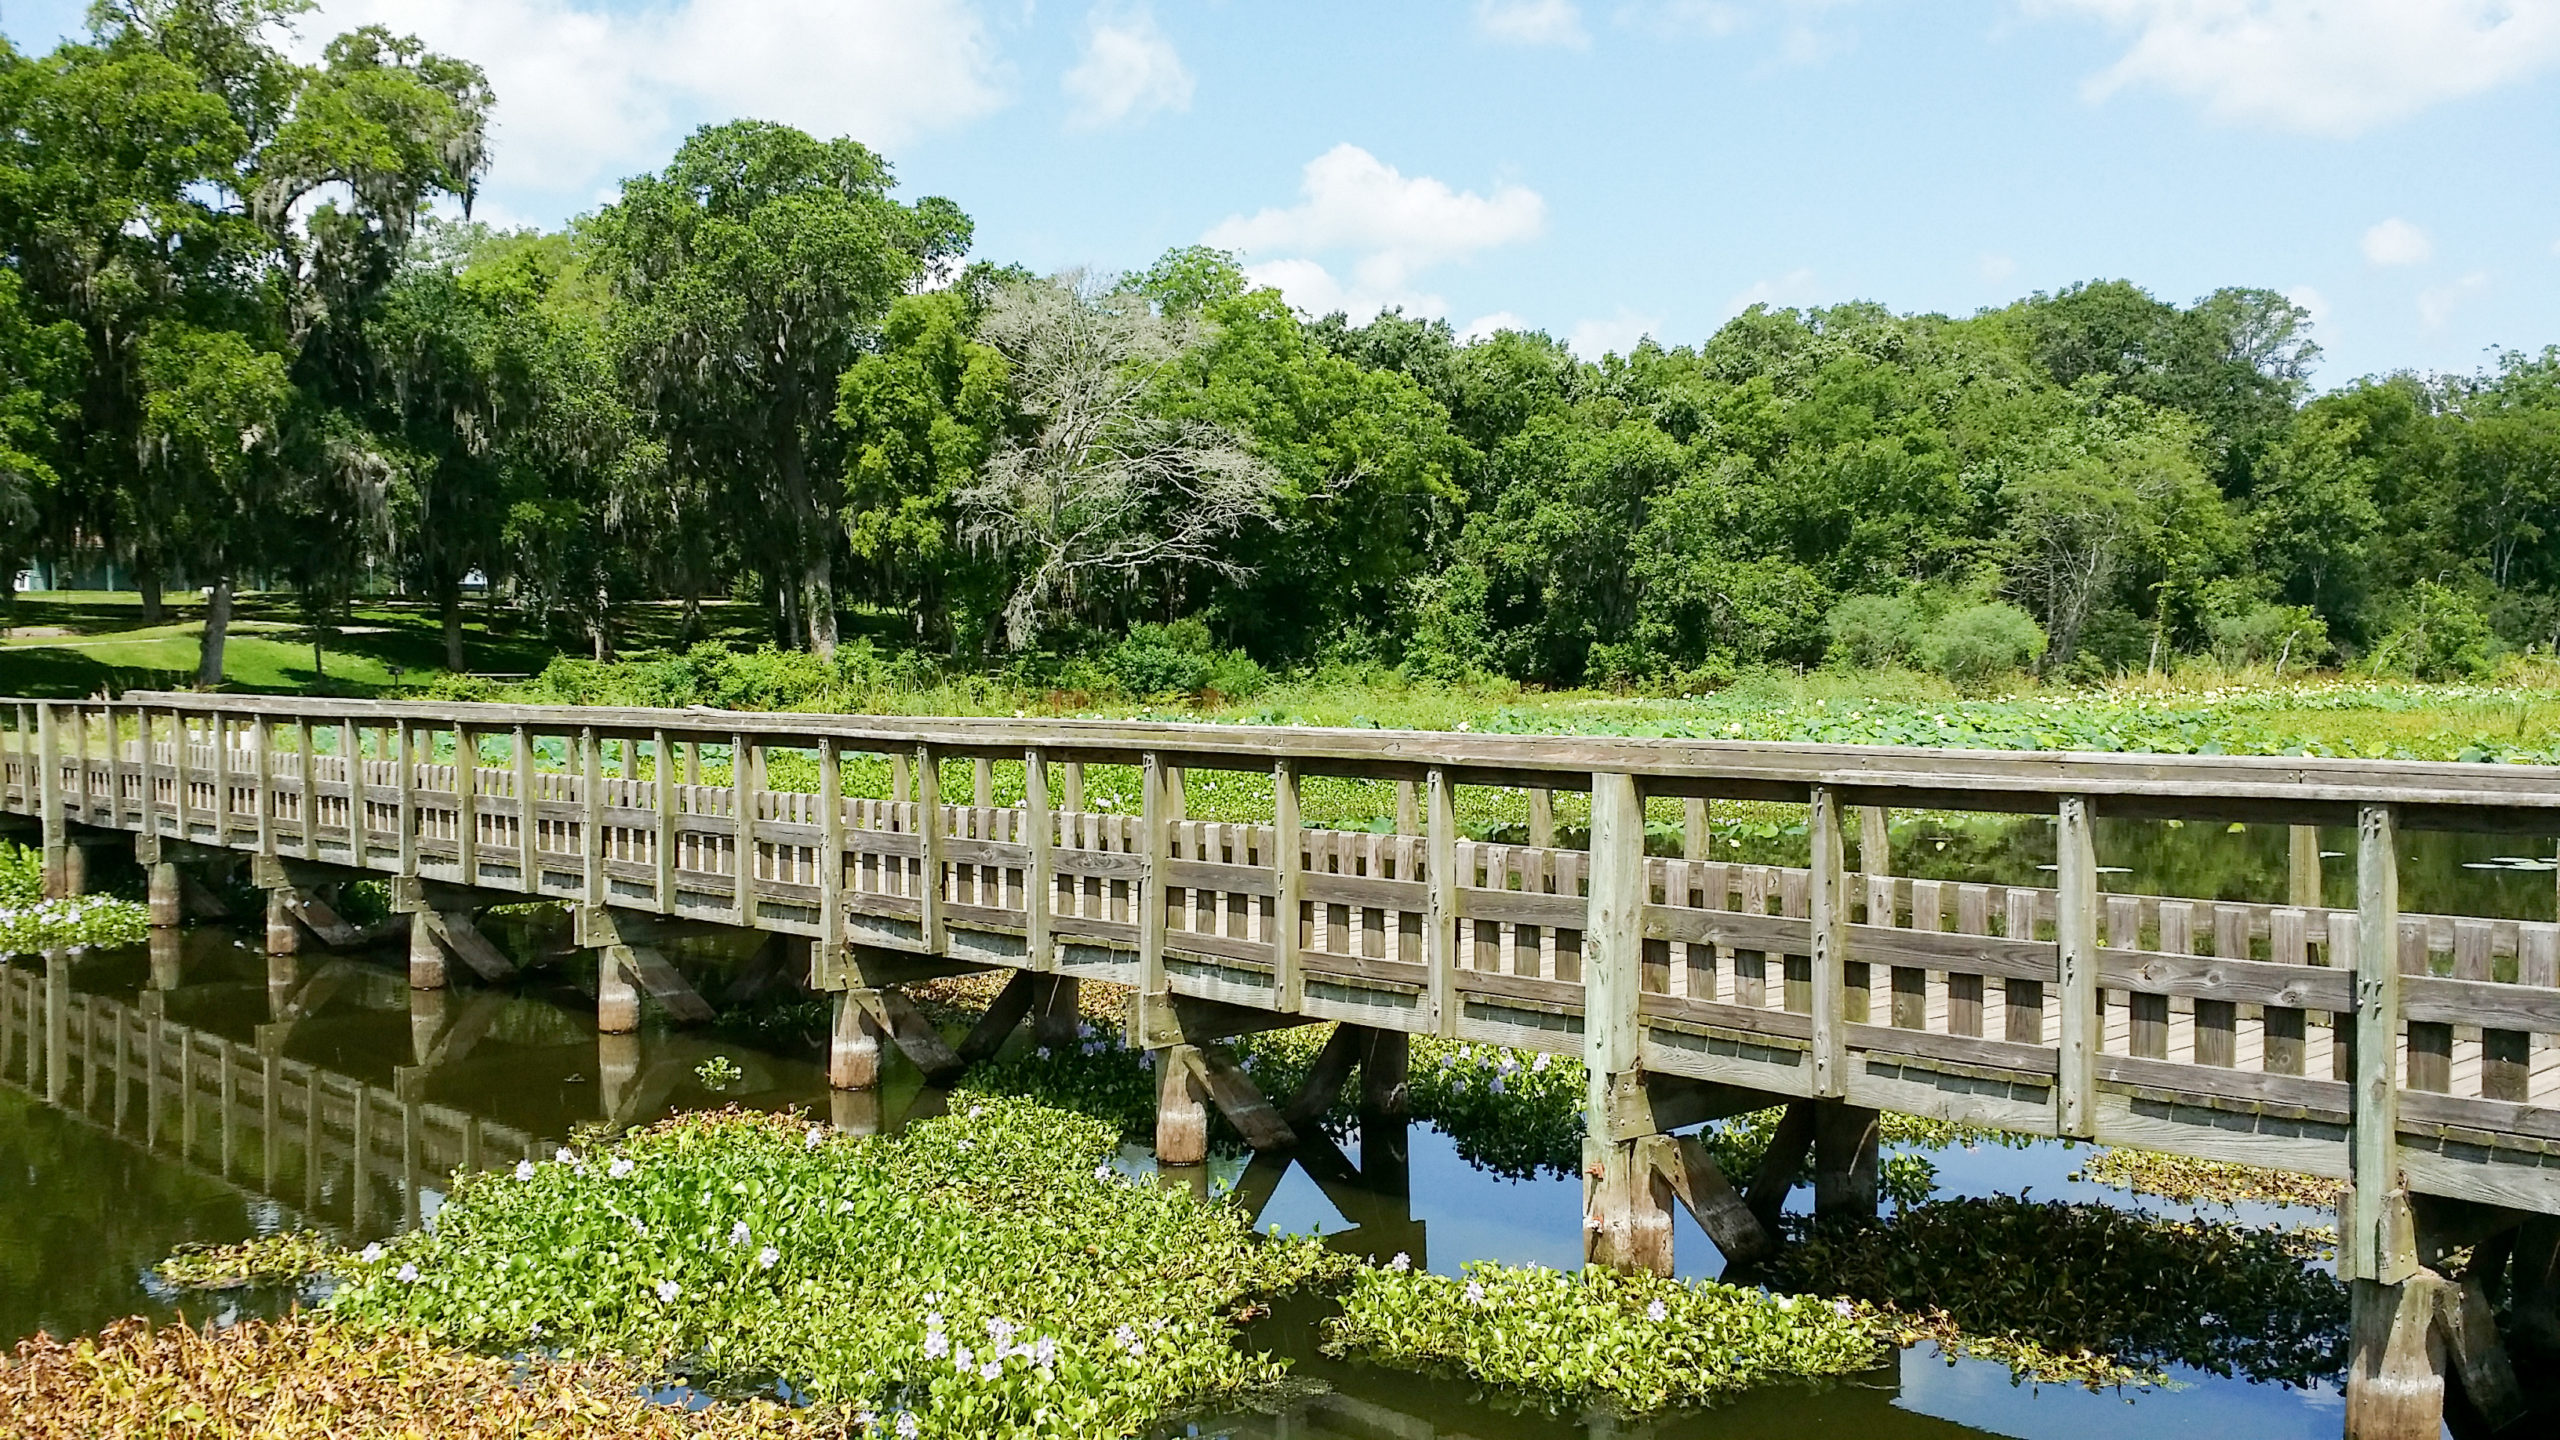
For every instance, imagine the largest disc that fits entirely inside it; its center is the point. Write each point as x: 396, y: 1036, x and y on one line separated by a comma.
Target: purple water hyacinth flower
x: 1475, y: 1292
x: 991, y: 1370
x: 1657, y: 1312
x: 739, y: 1234
x: 963, y: 1361
x: 524, y: 1169
x: 408, y: 1274
x: 767, y: 1258
x: 1401, y: 1263
x: 668, y: 1290
x: 620, y: 1167
x: 907, y: 1426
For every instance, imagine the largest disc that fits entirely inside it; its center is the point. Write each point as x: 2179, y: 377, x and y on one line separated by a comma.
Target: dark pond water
x: 104, y: 1170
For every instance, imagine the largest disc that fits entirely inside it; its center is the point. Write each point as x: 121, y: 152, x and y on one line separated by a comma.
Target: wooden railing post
x: 1830, y: 921
x: 1542, y: 818
x: 466, y: 800
x: 405, y: 754
x: 1146, y: 893
x: 1440, y: 912
x: 591, y: 826
x: 742, y: 809
x: 823, y: 956
x: 117, y: 766
x: 2374, y: 1243
x: 261, y: 767
x: 359, y: 824
x: 1040, y: 880
x: 528, y: 856
x: 56, y: 833
x: 1075, y: 787
x: 310, y: 789
x: 664, y: 761
x: 1623, y: 1225
x: 184, y: 766
x: 221, y: 778
x: 2075, y: 883
x: 935, y: 834
x: 1288, y: 867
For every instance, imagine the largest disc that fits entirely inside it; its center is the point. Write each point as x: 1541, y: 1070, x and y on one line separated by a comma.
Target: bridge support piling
x: 1846, y: 1160
x: 1182, y: 1106
x: 284, y: 937
x: 1054, y: 1014
x: 426, y: 953
x: 1384, y: 1070
x: 168, y: 959
x: 853, y: 1051
x: 1626, y: 1207
x: 617, y: 992
x: 167, y: 904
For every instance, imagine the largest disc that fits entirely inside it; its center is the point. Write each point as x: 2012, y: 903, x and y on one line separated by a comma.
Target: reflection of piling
x: 617, y: 1069
x: 855, y: 1112
x: 57, y: 1025
x: 426, y: 1022
x: 168, y: 959
x: 1053, y: 1017
x: 167, y: 894
x: 426, y: 957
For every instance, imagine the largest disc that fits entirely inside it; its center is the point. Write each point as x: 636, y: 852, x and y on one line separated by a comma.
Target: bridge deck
x: 2189, y: 1026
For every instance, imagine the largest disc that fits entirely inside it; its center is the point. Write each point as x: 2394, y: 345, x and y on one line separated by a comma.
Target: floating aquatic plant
x: 79, y: 922
x: 1571, y: 1338
x: 287, y: 1259
x: 984, y: 1272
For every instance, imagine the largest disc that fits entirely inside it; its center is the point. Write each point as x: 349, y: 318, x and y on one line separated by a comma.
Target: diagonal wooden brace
x: 1003, y: 1017
x: 1238, y: 1098
x: 904, y: 1023
x: 1699, y: 1183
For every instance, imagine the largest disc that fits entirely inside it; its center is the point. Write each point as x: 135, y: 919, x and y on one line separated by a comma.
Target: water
x: 103, y: 1172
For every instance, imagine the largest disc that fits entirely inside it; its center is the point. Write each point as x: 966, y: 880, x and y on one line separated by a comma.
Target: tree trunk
x: 319, y: 663
x: 786, y: 598
x: 148, y: 582
x: 217, y: 629
x: 452, y: 626
x: 692, y: 614
x: 822, y: 602
x: 597, y: 629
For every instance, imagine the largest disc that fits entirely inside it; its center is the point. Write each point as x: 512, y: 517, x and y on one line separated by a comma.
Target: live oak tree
x: 751, y: 273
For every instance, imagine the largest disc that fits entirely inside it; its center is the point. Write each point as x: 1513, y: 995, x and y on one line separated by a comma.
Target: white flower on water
x: 1786, y: 1302
x: 963, y: 1361
x: 844, y: 1207
x: 524, y: 1169
x: 991, y: 1370
x: 1844, y: 1309
x: 620, y: 1167
x: 1401, y: 1263
x: 1657, y: 1312
x: 1001, y: 1330
x: 907, y: 1426
x: 408, y: 1274
x: 1475, y: 1292
x: 637, y: 1228
x: 536, y: 1332
x: 977, y: 1110
x: 1496, y: 1085
x: 767, y: 1257
x: 668, y: 1290
x: 1045, y: 1354
x: 739, y: 1234
x: 936, y: 1344
x: 817, y: 1136
x: 1103, y: 1171
x: 1541, y: 1062
x: 1130, y: 1339
x: 372, y: 1254
x: 563, y: 1156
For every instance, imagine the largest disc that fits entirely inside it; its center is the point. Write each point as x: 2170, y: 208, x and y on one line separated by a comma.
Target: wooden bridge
x: 2408, y: 1055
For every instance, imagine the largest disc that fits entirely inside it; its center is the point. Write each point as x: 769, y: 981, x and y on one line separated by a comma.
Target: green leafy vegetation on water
x: 1568, y: 1339
x: 285, y: 1259
x: 2085, y: 1293
x: 29, y: 922
x: 2189, y: 1181
x: 987, y: 1272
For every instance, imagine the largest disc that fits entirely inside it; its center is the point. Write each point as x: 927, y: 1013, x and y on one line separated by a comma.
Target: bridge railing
x: 2347, y: 1043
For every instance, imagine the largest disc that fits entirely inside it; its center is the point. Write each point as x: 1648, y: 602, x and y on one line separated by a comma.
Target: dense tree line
x: 236, y: 347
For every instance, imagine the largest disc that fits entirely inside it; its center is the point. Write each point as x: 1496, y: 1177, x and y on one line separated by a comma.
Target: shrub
x: 2270, y: 635
x: 1872, y: 632
x: 2445, y: 636
x: 21, y: 875
x: 1180, y: 659
x: 1979, y: 645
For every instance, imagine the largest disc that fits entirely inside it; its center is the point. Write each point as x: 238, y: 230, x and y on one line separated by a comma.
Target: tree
x: 2119, y: 493
x: 921, y: 418
x: 2311, y: 522
x: 751, y: 273
x: 1102, y: 487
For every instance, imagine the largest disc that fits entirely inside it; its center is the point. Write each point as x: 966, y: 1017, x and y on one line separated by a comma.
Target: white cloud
x: 2397, y: 242
x: 2436, y: 303
x: 1996, y: 268
x: 1616, y: 335
x: 1793, y: 288
x: 2323, y: 67
x: 1388, y: 226
x: 1532, y: 22
x: 1713, y: 19
x: 1129, y: 70
x: 587, y: 96
x: 1486, y: 326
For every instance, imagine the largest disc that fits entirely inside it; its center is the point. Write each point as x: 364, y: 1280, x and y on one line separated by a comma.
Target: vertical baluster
x: 1964, y: 991
x: 528, y: 810
x: 2288, y: 943
x: 404, y: 753
x: 1542, y: 818
x: 1911, y: 982
x: 2217, y: 1021
x: 302, y: 744
x: 351, y: 741
x: 260, y: 764
x: 2022, y: 1001
x: 744, y: 763
x: 221, y: 778
x: 2076, y: 935
x: 1155, y: 802
x: 662, y: 762
x: 591, y: 795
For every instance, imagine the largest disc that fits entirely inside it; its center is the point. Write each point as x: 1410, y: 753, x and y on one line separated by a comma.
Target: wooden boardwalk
x: 2409, y: 1055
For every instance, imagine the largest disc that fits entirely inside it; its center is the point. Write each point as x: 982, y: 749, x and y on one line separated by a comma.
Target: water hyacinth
x: 865, y: 1265
x: 80, y: 922
x: 1571, y: 1339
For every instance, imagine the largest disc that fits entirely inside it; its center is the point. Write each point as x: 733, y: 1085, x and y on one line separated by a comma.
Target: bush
x: 1980, y: 645
x: 1180, y: 659
x: 1872, y: 632
x: 2444, y: 637
x: 2271, y: 635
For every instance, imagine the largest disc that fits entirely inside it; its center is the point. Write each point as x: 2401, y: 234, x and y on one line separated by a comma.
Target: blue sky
x: 1603, y: 169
